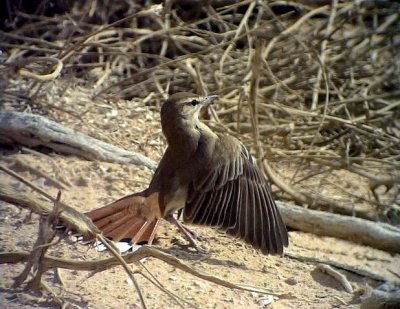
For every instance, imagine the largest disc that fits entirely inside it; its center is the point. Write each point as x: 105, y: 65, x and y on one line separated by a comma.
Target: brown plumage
x: 213, y: 178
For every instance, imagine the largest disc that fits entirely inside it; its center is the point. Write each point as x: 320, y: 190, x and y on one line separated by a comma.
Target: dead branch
x: 385, y: 296
x: 42, y: 77
x: 358, y: 270
x: 312, y: 200
x: 80, y: 223
x: 71, y: 217
x: 133, y: 257
x: 337, y: 275
x: 43, y: 242
x: 34, y: 130
x: 117, y: 255
x: 375, y: 234
x: 47, y: 233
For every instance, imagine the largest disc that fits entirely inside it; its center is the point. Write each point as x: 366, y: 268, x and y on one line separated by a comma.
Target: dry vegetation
x: 312, y: 87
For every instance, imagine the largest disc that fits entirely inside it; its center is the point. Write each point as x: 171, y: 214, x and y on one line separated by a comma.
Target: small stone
x: 321, y: 295
x: 40, y: 181
x: 198, y: 284
x: 265, y: 301
x: 292, y: 281
x: 109, y: 177
x: 102, y: 169
x: 83, y: 181
x: 113, y: 114
x: 153, y: 143
x: 173, y: 278
x: 129, y: 281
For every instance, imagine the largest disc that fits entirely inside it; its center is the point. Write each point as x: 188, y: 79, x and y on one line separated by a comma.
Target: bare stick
x: 124, y: 265
x: 43, y: 77
x: 337, y: 275
x: 134, y: 257
x: 34, y: 130
x: 44, y: 241
x: 358, y: 270
x: 70, y: 217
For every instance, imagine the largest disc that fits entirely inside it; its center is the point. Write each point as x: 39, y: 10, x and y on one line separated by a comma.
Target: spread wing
x: 233, y: 195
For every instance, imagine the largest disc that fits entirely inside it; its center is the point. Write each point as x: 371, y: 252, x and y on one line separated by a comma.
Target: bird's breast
x: 176, y: 200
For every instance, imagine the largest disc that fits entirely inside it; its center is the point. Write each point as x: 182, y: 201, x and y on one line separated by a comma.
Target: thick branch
x: 374, y: 234
x: 34, y: 130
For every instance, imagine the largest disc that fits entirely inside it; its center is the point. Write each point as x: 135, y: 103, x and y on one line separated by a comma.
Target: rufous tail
x: 124, y: 220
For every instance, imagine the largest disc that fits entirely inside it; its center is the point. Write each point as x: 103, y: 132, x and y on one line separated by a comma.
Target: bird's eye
x: 194, y: 102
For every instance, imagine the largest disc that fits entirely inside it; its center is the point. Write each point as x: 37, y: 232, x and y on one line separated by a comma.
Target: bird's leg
x: 194, y: 234
x: 189, y: 234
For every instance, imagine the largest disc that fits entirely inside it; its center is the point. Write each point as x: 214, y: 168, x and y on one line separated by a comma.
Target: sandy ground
x: 86, y: 185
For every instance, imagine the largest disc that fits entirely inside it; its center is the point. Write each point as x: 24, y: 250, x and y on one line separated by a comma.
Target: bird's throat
x: 182, y: 136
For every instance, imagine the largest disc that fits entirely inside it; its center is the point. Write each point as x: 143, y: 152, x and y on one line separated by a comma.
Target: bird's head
x: 185, y: 105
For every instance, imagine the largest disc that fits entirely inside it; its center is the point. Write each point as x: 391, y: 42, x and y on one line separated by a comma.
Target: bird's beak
x: 209, y: 99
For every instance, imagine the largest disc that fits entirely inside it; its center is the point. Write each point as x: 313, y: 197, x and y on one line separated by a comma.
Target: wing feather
x: 233, y: 195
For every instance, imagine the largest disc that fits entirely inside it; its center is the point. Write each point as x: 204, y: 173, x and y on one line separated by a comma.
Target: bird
x: 210, y: 179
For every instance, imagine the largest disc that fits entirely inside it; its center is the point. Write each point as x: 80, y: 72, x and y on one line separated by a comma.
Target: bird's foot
x: 193, y: 247
x: 189, y: 234
x: 193, y: 243
x: 196, y: 235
